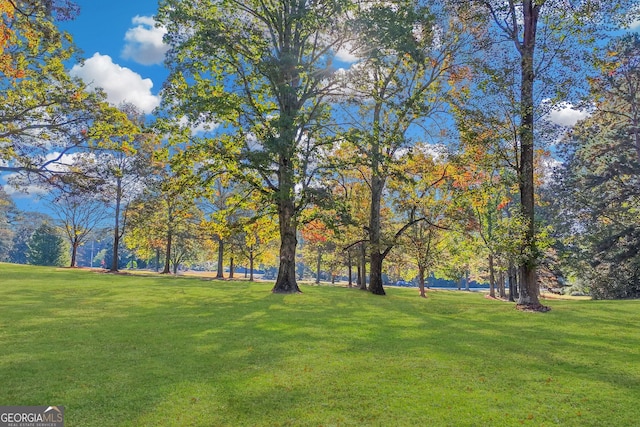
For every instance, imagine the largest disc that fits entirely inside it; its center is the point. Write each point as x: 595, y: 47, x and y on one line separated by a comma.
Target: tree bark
x: 251, y: 257
x: 513, y: 282
x: 375, y: 234
x: 492, y: 278
x: 528, y: 297
x: 375, y: 276
x: 350, y: 268
x: 74, y: 253
x: 421, y: 271
x: 231, y: 267
x: 363, y: 268
x: 286, y: 280
x: 116, y: 228
x: 220, y: 268
x: 167, y: 260
x: 318, y: 264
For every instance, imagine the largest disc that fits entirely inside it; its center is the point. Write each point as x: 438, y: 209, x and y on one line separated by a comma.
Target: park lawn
x: 119, y: 350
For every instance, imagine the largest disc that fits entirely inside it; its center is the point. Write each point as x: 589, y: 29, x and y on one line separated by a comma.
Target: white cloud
x: 566, y: 115
x: 345, y: 55
x: 635, y: 25
x: 143, y: 43
x: 200, y: 128
x: 119, y: 83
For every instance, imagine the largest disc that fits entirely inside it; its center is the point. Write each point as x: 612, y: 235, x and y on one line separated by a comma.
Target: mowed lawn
x: 129, y: 350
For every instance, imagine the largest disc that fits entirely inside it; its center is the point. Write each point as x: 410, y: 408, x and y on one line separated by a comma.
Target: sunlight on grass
x: 148, y: 350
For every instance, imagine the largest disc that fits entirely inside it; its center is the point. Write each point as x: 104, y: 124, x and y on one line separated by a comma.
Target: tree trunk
x: 318, y: 263
x: 116, y: 230
x: 492, y: 278
x: 375, y: 276
x: 74, y: 253
x: 231, y: 267
x: 251, y: 257
x: 220, y: 272
x: 421, y: 271
x: 363, y: 273
x: 286, y: 280
x: 350, y: 268
x: 167, y: 260
x: 375, y: 235
x: 513, y: 282
x: 501, y: 286
x: 528, y: 282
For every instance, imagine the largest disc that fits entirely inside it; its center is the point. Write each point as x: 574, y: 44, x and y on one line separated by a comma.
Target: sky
x: 122, y: 48
x: 124, y: 55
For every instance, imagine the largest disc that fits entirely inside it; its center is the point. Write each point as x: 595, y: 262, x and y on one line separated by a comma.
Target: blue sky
x: 123, y: 54
x: 123, y: 50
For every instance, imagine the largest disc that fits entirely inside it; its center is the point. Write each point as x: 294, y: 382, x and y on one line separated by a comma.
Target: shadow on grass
x: 128, y: 350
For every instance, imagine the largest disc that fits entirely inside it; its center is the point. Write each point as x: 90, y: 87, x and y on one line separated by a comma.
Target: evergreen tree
x: 47, y: 247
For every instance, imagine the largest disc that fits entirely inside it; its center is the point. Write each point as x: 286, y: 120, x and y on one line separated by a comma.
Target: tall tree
x: 122, y: 162
x: 265, y: 68
x: 407, y: 54
x: 596, y: 207
x: 543, y: 34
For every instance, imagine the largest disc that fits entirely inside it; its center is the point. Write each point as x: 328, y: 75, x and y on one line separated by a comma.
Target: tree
x: 122, y: 161
x: 407, y: 52
x: 25, y: 224
x: 260, y: 235
x: 265, y: 68
x: 598, y: 186
x: 316, y: 235
x: 425, y: 192
x: 543, y: 35
x: 47, y: 247
x: 80, y: 214
x: 8, y: 217
x: 45, y: 114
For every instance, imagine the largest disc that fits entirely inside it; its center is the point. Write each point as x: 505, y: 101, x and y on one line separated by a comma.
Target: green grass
x: 164, y: 351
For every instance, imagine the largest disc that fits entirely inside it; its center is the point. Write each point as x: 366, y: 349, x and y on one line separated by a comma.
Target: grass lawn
x: 118, y: 350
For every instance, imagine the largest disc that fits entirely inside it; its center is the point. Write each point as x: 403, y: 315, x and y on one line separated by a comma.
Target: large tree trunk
x: 375, y: 235
x: 375, y: 276
x: 528, y: 282
x: 286, y: 281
